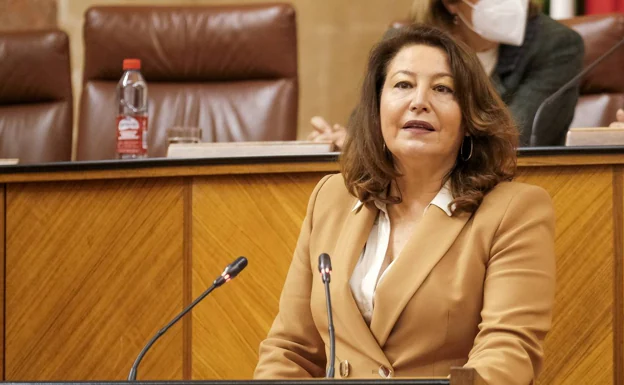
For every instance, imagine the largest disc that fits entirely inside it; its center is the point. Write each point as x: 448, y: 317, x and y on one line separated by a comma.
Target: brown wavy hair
x: 368, y: 167
x: 433, y: 12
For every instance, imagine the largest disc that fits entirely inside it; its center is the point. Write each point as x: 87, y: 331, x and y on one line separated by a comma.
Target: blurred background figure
x: 509, y: 37
x: 619, y: 119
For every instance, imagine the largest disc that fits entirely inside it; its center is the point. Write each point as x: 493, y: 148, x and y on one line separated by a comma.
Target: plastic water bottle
x: 132, y: 112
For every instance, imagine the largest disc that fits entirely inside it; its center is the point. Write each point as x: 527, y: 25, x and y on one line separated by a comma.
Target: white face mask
x: 502, y: 21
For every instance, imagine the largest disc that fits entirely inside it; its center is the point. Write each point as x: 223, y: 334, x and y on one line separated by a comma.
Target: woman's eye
x: 403, y: 85
x: 443, y: 89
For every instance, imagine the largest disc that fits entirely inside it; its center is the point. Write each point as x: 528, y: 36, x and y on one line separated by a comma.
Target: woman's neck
x: 417, y: 187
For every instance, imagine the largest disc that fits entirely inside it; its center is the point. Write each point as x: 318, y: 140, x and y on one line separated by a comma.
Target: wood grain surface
x: 95, y: 267
x: 266, y: 168
x: 579, y: 349
x: 571, y: 160
x: 2, y: 275
x: 618, y: 244
x: 171, y: 171
x: 93, y: 270
x: 258, y: 217
x: 187, y: 289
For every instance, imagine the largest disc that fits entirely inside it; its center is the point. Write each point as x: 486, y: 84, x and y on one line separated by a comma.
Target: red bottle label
x: 132, y: 135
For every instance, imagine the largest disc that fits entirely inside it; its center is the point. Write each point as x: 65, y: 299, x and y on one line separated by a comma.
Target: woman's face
x: 420, y: 115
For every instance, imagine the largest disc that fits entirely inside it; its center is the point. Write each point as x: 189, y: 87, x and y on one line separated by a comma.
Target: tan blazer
x: 474, y: 290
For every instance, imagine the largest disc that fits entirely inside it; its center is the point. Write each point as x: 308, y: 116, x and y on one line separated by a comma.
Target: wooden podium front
x: 459, y: 376
x: 99, y: 255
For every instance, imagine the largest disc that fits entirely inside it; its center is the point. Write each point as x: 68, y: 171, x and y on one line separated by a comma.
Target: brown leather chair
x: 230, y: 70
x: 602, y: 90
x: 35, y: 97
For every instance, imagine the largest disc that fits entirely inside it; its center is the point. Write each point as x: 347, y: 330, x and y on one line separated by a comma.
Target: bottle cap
x: 131, y: 64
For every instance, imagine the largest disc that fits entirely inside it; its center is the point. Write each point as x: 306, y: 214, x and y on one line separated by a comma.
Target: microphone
x: 566, y: 87
x: 324, y: 266
x: 228, y: 274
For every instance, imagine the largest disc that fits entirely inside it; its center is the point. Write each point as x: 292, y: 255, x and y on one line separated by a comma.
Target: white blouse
x: 489, y: 59
x: 364, y: 280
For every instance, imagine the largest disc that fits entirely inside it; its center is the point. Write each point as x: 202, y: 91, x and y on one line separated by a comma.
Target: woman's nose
x: 420, y: 101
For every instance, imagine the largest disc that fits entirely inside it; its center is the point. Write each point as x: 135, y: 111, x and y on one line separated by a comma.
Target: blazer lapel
x: 351, y: 242
x: 431, y: 240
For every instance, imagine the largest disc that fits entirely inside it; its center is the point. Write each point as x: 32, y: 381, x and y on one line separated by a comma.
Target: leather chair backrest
x: 35, y: 97
x: 602, y: 89
x: 230, y: 70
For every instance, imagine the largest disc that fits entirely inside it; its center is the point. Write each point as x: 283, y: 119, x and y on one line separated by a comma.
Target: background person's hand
x: 619, y: 119
x: 324, y: 132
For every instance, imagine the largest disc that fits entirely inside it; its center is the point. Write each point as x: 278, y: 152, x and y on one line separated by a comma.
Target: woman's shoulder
x: 513, y: 204
x: 333, y: 183
x: 332, y: 190
x: 507, y: 194
x: 554, y: 35
x: 331, y: 198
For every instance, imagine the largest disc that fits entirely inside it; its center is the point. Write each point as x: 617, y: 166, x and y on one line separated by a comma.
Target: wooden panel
x: 93, y: 269
x: 269, y: 167
x: 187, y: 288
x: 579, y: 350
x: 172, y: 171
x: 570, y: 160
x: 2, y: 280
x: 89, y: 280
x: 618, y: 309
x: 259, y: 217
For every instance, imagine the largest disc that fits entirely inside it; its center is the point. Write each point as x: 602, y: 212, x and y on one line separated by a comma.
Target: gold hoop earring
x: 461, y: 149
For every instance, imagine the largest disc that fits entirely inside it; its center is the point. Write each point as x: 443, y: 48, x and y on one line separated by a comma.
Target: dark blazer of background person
x: 550, y: 56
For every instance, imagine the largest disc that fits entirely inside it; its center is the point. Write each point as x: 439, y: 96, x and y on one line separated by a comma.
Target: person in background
x: 527, y: 55
x: 619, y: 119
x: 439, y: 260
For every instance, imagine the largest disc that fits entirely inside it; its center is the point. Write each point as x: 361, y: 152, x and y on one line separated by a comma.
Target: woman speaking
x: 439, y: 260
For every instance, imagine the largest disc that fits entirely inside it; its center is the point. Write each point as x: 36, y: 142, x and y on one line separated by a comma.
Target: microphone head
x: 324, y: 262
x: 324, y: 266
x: 234, y: 268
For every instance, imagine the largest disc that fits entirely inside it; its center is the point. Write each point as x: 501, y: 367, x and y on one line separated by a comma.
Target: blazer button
x: 385, y: 372
x: 345, y: 368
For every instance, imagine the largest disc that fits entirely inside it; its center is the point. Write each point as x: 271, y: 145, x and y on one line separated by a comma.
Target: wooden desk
x: 98, y: 256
